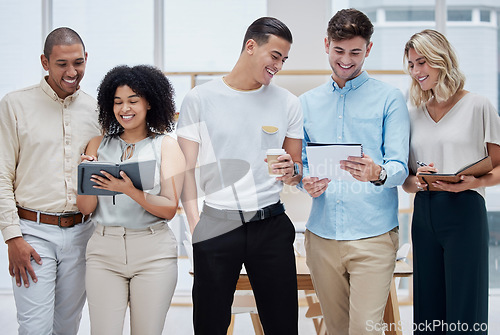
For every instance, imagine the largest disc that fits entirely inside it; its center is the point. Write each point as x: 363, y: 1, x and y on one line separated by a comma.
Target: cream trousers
x: 130, y: 267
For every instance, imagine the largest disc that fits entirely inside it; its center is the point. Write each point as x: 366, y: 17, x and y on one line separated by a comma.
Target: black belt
x: 245, y: 216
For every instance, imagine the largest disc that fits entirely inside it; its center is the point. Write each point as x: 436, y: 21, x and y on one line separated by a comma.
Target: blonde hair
x: 439, y: 54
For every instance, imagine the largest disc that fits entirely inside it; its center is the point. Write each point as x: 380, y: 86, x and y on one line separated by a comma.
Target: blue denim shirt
x: 372, y: 113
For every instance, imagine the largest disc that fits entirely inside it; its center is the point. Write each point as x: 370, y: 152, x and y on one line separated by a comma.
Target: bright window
x: 20, y: 44
x: 409, y: 15
x: 115, y: 32
x: 459, y: 15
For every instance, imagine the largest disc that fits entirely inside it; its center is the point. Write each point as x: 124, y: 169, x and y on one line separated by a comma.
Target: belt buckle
x: 65, y: 216
x: 260, y: 214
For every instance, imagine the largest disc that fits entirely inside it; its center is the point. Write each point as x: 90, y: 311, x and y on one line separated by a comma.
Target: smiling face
x: 130, y: 109
x: 347, y: 57
x: 66, y: 67
x: 267, y: 58
x: 420, y: 70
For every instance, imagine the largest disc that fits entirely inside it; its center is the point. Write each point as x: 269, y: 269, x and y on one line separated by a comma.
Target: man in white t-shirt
x: 228, y: 124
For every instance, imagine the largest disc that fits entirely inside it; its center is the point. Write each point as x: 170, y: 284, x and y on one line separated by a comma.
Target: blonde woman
x: 450, y: 128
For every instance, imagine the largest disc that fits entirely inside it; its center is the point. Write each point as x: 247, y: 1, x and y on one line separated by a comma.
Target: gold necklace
x: 238, y: 89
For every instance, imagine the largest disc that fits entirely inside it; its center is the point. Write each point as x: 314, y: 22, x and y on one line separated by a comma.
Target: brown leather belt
x: 62, y: 220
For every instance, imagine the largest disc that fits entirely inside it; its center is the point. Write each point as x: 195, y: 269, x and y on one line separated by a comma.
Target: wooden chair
x: 314, y: 312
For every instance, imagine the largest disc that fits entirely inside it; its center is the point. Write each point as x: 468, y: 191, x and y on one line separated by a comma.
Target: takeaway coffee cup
x: 272, y: 158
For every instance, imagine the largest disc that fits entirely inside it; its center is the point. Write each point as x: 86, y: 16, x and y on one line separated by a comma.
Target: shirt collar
x: 351, y: 84
x: 53, y: 95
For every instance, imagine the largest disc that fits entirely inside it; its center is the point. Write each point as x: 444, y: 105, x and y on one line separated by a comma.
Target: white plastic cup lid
x: 279, y: 151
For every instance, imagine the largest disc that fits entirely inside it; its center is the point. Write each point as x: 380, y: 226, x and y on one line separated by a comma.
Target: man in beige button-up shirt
x: 43, y: 131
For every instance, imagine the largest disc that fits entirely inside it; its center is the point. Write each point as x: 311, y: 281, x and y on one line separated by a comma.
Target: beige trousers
x: 352, y: 280
x: 130, y: 267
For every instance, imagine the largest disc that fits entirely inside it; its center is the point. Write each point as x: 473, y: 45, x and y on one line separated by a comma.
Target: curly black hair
x: 146, y: 81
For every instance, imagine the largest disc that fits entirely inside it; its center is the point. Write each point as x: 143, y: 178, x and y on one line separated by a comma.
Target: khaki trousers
x: 352, y: 280
x: 130, y: 267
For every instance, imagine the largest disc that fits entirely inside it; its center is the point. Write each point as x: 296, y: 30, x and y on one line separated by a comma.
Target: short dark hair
x: 146, y: 81
x: 349, y: 23
x: 61, y: 36
x: 262, y: 28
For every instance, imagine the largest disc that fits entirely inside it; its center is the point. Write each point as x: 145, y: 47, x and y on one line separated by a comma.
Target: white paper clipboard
x: 324, y: 159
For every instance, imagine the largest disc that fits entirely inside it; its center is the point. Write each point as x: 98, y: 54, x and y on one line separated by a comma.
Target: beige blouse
x: 456, y: 140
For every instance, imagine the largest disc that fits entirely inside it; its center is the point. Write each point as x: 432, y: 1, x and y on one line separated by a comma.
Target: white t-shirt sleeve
x: 295, y: 118
x: 188, y: 125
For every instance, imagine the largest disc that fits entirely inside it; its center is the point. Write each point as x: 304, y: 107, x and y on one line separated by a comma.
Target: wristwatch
x: 296, y: 169
x: 381, y: 178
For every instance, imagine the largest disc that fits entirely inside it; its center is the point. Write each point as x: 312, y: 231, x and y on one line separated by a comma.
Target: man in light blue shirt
x: 352, y: 232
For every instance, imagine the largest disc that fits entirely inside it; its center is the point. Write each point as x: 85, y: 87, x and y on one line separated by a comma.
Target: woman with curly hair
x: 132, y: 255
x: 450, y: 128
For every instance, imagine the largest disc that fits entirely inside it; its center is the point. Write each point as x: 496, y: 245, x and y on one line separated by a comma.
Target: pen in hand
x: 419, y: 163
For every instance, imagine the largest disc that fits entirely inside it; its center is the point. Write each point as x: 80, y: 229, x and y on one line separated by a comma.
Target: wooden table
x: 304, y: 282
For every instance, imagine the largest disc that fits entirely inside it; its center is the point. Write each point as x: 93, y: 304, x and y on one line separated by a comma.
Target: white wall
x: 307, y: 21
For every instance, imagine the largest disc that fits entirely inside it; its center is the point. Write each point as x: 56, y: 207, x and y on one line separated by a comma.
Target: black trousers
x: 450, y: 263
x: 266, y: 249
